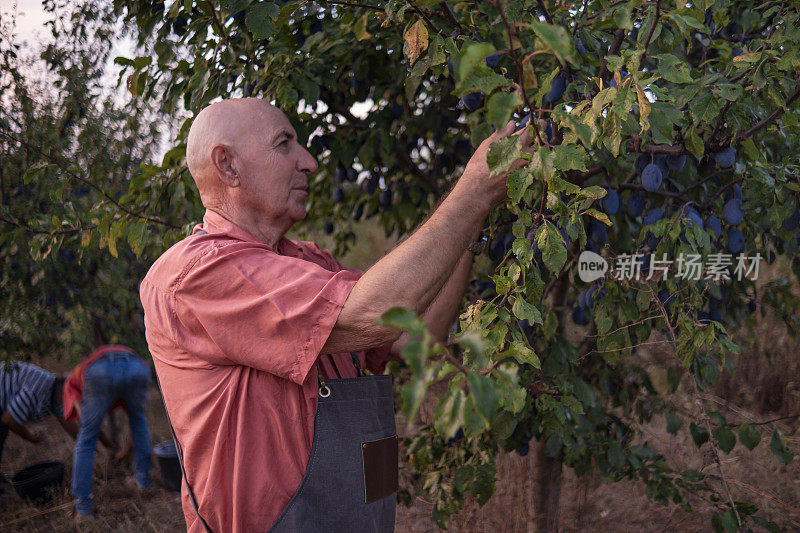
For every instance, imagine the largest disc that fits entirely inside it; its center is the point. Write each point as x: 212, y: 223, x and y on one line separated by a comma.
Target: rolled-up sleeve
x: 374, y: 359
x: 245, y: 305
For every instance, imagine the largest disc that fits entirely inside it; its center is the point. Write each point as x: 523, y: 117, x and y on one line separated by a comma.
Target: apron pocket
x: 379, y: 461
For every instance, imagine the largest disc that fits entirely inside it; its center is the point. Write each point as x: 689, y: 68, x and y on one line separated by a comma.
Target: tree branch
x: 520, y: 75
x: 546, y: 13
x: 425, y: 17
x: 450, y: 16
x: 652, y: 29
x: 770, y: 119
x: 619, y: 36
x: 88, y: 182
x: 705, y: 419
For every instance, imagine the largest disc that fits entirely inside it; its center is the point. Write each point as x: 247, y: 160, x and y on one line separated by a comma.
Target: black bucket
x: 168, y: 464
x: 32, y: 482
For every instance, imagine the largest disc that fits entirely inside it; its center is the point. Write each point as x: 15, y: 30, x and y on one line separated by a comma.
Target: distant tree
x: 69, y: 150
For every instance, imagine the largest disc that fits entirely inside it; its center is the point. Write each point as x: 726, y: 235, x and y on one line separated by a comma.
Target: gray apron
x: 350, y: 482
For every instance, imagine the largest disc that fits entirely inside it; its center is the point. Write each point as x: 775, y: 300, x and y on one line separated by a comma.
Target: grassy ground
x: 757, y: 390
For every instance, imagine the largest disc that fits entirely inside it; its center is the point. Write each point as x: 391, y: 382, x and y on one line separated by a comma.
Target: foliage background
x: 82, y: 217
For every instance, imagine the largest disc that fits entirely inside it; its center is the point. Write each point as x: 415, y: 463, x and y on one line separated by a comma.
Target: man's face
x: 274, y: 170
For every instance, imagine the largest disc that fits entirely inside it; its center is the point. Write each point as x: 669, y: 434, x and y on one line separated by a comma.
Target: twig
x: 354, y: 4
x: 619, y: 36
x: 518, y: 63
x: 450, y: 16
x: 60, y: 231
x: 770, y: 119
x: 34, y: 515
x: 424, y: 15
x: 546, y: 13
x: 705, y: 419
x: 652, y: 29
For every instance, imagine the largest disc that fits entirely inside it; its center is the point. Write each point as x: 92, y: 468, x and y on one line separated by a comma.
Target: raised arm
x: 414, y: 272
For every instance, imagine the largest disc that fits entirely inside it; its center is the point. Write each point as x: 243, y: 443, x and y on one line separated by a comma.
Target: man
x: 111, y: 376
x: 259, y: 342
x: 27, y: 394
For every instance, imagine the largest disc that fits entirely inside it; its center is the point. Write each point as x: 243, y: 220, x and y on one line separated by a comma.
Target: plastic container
x: 33, y: 482
x: 167, y: 456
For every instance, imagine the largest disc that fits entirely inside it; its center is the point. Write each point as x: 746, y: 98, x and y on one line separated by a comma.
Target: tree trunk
x: 543, y: 499
x: 547, y: 470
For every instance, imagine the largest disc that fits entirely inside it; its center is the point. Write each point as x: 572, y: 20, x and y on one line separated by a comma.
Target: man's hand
x: 39, y: 436
x: 476, y: 173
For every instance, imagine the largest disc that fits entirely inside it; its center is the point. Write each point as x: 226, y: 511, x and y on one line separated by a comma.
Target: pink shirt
x: 235, y: 328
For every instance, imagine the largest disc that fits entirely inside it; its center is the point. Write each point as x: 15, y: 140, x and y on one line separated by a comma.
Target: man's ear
x: 222, y: 161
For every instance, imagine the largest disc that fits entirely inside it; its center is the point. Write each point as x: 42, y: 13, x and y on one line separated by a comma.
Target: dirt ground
x: 587, y: 504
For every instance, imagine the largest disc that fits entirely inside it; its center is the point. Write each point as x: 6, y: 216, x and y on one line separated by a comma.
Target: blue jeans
x: 112, y: 377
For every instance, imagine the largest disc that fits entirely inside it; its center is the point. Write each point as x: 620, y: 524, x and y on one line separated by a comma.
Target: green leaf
x: 472, y: 55
x: 259, y: 20
x: 500, y: 107
x: 693, y: 475
x: 523, y: 354
x: 674, y: 423
x: 482, y: 79
x: 778, y: 447
x: 502, y: 154
x: 569, y: 157
x: 749, y: 436
x: 726, y: 439
x: 599, y: 215
x: 521, y: 248
x: 447, y: 417
x: 700, y: 435
x: 554, y: 251
x: 556, y: 39
x: 704, y: 109
x: 766, y: 524
x: 401, y: 318
x: 474, y: 423
x: 32, y: 171
x: 141, y: 62
x: 524, y: 310
x: 482, y: 390
x: 673, y: 69
x: 411, y: 396
x: 694, y: 143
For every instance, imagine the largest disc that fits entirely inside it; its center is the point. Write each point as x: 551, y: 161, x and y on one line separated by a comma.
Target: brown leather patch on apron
x: 379, y: 459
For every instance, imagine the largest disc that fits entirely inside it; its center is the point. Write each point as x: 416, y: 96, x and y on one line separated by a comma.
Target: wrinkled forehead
x: 269, y: 121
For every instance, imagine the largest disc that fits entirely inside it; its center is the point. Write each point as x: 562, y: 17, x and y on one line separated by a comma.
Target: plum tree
x: 429, y: 91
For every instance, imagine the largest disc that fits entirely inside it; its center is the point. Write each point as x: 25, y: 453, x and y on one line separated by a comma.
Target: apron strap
x: 180, y: 461
x: 357, y: 364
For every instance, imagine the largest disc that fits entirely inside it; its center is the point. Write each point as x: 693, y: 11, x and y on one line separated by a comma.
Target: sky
x: 32, y: 34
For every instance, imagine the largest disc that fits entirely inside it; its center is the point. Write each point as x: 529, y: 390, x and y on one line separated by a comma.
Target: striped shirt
x: 25, y: 391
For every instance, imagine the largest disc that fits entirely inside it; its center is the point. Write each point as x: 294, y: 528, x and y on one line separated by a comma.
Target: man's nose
x: 307, y: 163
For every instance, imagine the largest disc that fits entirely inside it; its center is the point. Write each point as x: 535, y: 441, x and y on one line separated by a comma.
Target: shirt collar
x: 214, y: 223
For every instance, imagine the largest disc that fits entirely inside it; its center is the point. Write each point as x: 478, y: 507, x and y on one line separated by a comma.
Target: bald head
x: 232, y: 124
